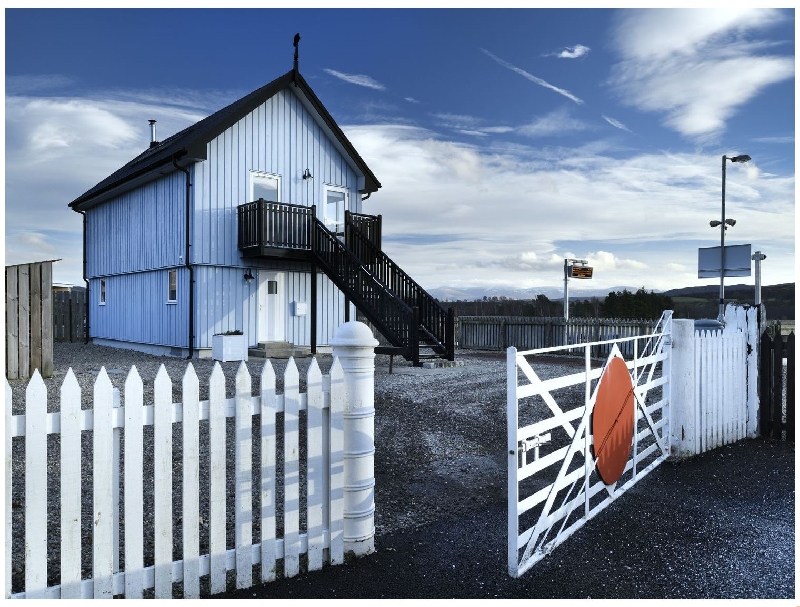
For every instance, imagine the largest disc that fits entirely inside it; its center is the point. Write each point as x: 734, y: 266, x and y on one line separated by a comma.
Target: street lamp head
x: 714, y: 223
x: 742, y: 158
x: 730, y: 222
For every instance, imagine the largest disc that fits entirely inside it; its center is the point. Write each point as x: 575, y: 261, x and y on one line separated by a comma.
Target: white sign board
x: 737, y: 261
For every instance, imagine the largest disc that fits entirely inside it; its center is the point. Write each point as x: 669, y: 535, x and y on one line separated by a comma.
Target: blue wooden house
x: 248, y: 220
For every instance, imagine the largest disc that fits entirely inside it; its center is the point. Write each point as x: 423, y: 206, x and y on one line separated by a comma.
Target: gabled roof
x: 191, y: 141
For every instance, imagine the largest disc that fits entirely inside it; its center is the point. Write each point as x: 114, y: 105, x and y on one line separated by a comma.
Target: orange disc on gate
x: 612, y: 421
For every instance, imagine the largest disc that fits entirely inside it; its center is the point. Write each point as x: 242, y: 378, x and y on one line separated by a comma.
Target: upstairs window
x: 102, y: 291
x: 264, y: 185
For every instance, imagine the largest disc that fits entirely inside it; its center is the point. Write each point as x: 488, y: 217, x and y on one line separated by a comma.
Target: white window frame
x: 255, y: 176
x: 170, y: 274
x: 102, y: 292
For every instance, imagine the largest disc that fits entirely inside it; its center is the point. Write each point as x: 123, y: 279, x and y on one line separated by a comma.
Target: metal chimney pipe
x: 153, y: 140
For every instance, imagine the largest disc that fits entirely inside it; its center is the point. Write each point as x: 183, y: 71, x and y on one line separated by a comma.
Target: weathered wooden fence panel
x: 29, y: 319
x: 777, y: 386
x: 317, y: 532
x: 69, y: 316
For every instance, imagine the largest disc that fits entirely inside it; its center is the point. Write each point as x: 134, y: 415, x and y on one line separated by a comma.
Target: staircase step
x: 278, y: 350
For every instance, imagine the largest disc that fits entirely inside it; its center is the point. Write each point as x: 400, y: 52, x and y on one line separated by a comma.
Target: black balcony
x: 279, y: 230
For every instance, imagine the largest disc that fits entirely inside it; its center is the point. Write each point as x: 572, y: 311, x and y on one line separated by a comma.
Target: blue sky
x: 505, y: 139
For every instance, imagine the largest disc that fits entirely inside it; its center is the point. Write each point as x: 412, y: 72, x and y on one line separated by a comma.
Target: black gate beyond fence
x: 777, y: 386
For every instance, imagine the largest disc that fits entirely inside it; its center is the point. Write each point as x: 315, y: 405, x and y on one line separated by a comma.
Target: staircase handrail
x: 433, y: 316
x: 396, y: 320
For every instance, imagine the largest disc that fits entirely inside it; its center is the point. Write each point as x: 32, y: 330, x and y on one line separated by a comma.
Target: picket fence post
x: 354, y: 346
x: 684, y: 428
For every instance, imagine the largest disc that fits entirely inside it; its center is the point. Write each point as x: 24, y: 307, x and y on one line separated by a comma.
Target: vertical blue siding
x: 224, y: 301
x: 330, y: 309
x: 143, y: 229
x: 279, y: 137
x: 136, y: 309
x: 230, y: 303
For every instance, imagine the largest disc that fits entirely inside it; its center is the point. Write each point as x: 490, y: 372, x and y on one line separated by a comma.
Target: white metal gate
x: 553, y: 482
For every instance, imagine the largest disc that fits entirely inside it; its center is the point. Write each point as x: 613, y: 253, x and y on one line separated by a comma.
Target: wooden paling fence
x: 69, y: 316
x: 777, y: 386
x: 530, y: 333
x: 280, y: 419
x: 29, y: 313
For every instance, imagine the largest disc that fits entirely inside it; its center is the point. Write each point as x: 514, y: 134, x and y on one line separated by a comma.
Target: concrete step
x: 278, y: 349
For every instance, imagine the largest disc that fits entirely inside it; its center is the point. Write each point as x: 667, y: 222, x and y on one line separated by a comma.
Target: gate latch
x: 534, y: 443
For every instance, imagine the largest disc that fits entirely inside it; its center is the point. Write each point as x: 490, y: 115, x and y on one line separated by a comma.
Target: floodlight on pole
x: 567, y: 267
x: 723, y: 225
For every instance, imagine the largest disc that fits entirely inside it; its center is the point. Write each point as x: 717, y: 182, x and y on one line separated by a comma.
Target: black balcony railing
x: 273, y: 225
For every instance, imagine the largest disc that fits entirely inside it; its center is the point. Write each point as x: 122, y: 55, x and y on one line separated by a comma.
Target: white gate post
x: 354, y: 345
x: 683, y: 406
x: 754, y: 342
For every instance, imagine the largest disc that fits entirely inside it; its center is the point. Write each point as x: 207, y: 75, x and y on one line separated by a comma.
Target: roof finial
x: 296, y: 43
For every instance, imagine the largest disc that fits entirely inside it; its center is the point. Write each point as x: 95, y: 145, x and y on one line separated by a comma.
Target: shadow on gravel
x: 720, y: 525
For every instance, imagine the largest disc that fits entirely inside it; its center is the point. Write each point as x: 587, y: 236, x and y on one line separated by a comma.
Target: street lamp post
x: 723, y: 225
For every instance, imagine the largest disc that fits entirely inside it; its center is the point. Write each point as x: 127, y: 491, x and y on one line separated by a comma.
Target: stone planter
x: 228, y: 347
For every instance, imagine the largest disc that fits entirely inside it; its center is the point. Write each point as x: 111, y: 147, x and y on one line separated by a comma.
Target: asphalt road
x: 720, y: 525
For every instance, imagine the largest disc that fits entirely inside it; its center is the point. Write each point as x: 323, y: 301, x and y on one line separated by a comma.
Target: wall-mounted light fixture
x: 248, y: 276
x: 307, y: 174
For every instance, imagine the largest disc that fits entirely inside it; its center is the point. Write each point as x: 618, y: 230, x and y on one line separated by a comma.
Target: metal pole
x: 721, y: 316
x: 566, y: 302
x: 758, y: 257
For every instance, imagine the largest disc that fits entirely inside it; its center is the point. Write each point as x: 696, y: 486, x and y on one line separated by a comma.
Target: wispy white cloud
x: 532, y: 78
x: 411, y: 100
x: 24, y: 84
x: 469, y: 125
x: 471, y: 132
x: 572, y: 52
x: 35, y: 240
x: 456, y: 120
x: 555, y: 123
x: 788, y: 139
x: 358, y: 79
x: 616, y: 123
x: 678, y: 62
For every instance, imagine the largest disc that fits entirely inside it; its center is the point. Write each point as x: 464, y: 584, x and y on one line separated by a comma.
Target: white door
x: 271, y: 306
x: 335, y: 206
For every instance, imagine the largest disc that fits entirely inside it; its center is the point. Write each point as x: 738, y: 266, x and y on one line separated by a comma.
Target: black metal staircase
x: 408, y: 317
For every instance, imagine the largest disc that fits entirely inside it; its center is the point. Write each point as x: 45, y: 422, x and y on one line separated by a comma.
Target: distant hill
x: 703, y: 302
x: 688, y: 302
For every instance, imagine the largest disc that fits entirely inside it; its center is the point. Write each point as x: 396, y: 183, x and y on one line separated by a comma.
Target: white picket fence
x: 322, y: 537
x: 715, y: 383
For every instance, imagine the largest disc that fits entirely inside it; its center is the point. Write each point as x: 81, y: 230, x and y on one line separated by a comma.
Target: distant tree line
x: 619, y: 304
x: 624, y: 304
